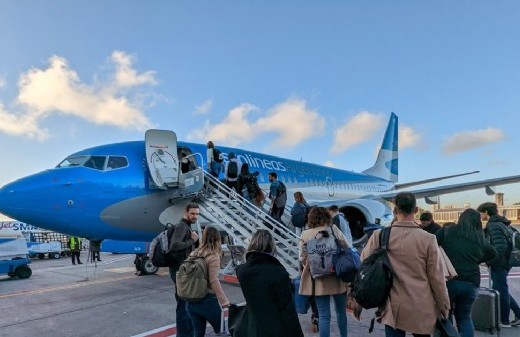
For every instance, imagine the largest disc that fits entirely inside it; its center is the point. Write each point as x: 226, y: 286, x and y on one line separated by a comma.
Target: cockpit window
x: 95, y: 162
x: 115, y: 162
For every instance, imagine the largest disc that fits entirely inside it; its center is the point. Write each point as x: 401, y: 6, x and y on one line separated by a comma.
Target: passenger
x: 183, y: 238
x: 496, y: 231
x: 185, y: 163
x: 75, y: 249
x: 231, y: 170
x: 267, y: 290
x: 327, y: 286
x: 465, y: 246
x: 214, y: 166
x: 247, y: 184
x: 278, y: 197
x: 299, y: 212
x: 428, y: 224
x: 209, y: 308
x: 419, y: 287
x: 339, y: 220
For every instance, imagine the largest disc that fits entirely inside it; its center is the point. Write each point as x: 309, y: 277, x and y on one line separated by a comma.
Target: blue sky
x: 315, y: 80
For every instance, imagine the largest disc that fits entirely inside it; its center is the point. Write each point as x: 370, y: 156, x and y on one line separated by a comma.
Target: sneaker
x: 515, y: 322
x: 502, y: 325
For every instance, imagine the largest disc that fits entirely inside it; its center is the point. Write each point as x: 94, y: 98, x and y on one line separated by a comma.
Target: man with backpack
x: 182, y: 241
x: 278, y: 196
x: 232, y: 170
x: 419, y: 287
x: 500, y: 238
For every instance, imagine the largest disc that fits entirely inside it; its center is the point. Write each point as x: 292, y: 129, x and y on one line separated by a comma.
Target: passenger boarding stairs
x: 240, y: 219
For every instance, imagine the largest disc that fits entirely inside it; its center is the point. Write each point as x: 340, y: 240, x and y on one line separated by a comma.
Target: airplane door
x: 162, y: 158
x: 330, y: 186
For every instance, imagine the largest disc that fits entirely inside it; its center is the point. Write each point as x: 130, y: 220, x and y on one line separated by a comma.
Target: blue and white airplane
x: 130, y: 190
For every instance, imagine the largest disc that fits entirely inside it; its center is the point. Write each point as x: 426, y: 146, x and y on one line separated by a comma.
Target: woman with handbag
x: 326, y: 287
x: 466, y: 248
x: 267, y: 289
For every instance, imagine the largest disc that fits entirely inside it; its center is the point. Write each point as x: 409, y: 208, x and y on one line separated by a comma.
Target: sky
x: 310, y: 80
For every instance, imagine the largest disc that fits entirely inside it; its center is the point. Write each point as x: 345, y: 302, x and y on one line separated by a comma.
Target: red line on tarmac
x: 515, y: 274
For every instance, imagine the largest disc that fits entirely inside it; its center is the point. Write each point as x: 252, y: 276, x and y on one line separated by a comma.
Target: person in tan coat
x: 419, y: 292
x: 327, y: 286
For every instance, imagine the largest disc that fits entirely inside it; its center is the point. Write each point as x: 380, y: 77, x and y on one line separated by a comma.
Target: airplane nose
x: 19, y: 198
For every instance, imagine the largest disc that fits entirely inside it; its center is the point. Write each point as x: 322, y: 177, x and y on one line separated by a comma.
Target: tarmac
x: 109, y: 299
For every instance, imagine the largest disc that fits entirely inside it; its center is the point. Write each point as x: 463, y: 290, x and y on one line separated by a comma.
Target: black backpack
x: 217, y: 155
x: 160, y: 254
x: 232, y: 169
x: 374, y: 278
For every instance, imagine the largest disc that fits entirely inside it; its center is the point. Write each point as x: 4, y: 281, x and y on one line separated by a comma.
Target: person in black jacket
x: 498, y: 236
x: 267, y: 290
x: 428, y: 224
x: 465, y: 246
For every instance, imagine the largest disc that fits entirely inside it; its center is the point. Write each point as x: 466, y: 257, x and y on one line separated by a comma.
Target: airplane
x: 130, y: 190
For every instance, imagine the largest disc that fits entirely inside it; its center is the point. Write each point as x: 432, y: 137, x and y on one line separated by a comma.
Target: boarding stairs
x: 240, y: 219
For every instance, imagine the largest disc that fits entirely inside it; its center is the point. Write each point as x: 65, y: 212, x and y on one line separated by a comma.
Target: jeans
x: 391, y: 332
x: 340, y: 303
x: 462, y: 296
x: 183, y: 320
x: 205, y: 310
x: 499, y: 278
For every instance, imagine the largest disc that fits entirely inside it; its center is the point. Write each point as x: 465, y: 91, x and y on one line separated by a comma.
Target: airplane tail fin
x: 387, y: 163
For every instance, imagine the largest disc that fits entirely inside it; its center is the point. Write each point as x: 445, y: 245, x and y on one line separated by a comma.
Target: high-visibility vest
x: 75, y: 243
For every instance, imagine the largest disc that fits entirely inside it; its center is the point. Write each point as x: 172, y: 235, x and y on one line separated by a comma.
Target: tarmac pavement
x: 108, y: 299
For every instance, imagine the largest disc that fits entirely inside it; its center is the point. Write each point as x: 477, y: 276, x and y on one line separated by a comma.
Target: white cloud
x: 291, y: 120
x: 469, y: 140
x: 204, y: 108
x: 2, y: 82
x: 58, y: 89
x: 232, y: 130
x: 329, y: 163
x: 408, y: 137
x: 357, y: 130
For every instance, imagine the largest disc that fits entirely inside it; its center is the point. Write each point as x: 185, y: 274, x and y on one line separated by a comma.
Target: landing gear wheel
x: 41, y: 256
x: 23, y: 272
x: 147, y: 267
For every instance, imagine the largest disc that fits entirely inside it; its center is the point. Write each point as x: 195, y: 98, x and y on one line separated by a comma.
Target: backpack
x: 192, y: 279
x: 232, y: 169
x: 346, y: 261
x: 319, y: 253
x: 281, y: 195
x: 514, y: 238
x: 160, y: 254
x: 217, y: 155
x: 374, y: 278
x: 299, y: 216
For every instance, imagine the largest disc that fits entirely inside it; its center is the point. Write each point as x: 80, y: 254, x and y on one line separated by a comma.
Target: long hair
x: 298, y: 197
x: 470, y: 225
x: 262, y: 241
x: 245, y: 168
x: 211, y: 241
x: 319, y: 216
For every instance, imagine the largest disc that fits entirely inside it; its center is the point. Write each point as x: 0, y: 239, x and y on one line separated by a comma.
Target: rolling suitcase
x: 486, y: 310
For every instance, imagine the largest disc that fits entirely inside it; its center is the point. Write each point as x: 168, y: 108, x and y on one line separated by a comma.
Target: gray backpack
x: 320, y: 251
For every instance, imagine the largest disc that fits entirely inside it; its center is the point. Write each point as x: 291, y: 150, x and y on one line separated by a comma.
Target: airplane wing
x: 428, y: 193
x: 426, y: 181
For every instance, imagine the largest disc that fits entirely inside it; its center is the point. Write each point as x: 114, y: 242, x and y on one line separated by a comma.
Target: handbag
x: 238, y: 320
x: 301, y: 302
x: 346, y: 261
x: 444, y: 328
x: 447, y: 266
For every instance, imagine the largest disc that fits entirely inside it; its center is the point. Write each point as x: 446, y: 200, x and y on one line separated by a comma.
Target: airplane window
x: 96, y: 162
x: 73, y: 161
x: 115, y: 162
